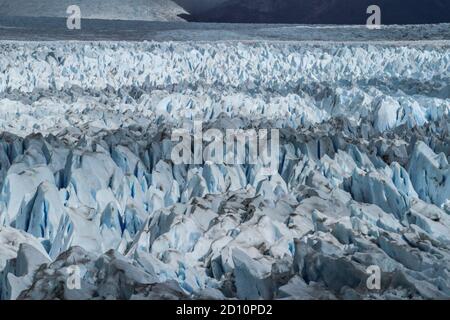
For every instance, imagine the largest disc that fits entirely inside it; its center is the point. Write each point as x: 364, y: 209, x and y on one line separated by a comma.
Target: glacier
x: 87, y: 180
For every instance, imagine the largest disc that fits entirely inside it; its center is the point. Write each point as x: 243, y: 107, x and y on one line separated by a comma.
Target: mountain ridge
x: 146, y: 10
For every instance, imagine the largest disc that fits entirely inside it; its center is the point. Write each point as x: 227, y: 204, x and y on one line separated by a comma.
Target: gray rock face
x: 430, y: 174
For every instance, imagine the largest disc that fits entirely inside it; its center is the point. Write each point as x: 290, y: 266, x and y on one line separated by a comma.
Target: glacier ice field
x: 87, y: 180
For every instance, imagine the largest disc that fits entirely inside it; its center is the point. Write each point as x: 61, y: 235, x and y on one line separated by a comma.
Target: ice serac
x: 42, y: 214
x: 20, y: 188
x: 430, y: 174
x: 87, y: 181
x: 20, y: 271
x: 20, y: 255
x: 307, y: 85
x: 253, y: 279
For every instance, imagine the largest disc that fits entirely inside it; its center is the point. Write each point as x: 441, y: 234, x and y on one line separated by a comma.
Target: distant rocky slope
x: 148, y: 10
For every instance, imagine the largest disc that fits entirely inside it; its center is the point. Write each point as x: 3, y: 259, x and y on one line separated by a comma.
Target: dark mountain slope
x: 327, y: 11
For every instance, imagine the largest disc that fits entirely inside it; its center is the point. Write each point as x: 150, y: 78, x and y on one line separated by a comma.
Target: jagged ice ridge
x: 87, y: 180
